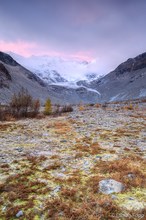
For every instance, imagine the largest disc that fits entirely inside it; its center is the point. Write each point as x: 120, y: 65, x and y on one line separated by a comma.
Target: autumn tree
x: 48, y: 107
x: 22, y: 103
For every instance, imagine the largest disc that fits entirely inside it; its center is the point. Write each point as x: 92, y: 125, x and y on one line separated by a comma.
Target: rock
x: 98, y: 157
x: 63, y: 169
x: 131, y: 176
x: 60, y: 175
x: 19, y: 214
x: 109, y: 186
x: 109, y: 157
x: 57, y: 189
x: 114, y: 197
x: 4, y: 208
x: 19, y: 149
x: 134, y: 205
x: 131, y: 198
x: 45, y: 134
x: 63, y: 141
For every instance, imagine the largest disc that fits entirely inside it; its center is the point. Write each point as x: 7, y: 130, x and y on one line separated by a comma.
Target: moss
x: 31, y: 186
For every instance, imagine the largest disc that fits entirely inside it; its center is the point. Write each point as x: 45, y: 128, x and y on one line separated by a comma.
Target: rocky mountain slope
x: 56, y: 69
x: 127, y: 81
x: 13, y: 76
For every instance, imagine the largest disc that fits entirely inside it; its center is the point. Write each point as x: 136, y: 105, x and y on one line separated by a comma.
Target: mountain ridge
x: 21, y: 77
x: 127, y: 81
x: 67, y: 70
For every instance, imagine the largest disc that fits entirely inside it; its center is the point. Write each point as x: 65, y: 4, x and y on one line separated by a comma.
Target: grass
x: 29, y: 182
x: 119, y: 170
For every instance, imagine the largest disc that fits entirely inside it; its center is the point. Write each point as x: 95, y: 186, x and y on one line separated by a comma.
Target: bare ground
x: 50, y: 168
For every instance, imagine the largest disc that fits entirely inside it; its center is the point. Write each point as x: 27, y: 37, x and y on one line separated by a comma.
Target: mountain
x: 14, y: 76
x: 50, y: 77
x: 56, y: 69
x: 127, y: 81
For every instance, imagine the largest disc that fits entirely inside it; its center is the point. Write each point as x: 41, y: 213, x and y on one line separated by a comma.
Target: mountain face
x: 5, y: 58
x: 50, y: 77
x: 13, y: 77
x: 127, y: 81
x: 56, y: 69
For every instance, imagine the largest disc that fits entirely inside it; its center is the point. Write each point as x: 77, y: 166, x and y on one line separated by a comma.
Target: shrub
x: 129, y: 107
x: 57, y: 110
x: 97, y: 105
x: 2, y: 113
x: 81, y: 108
x: 36, y: 106
x: 67, y: 108
x: 23, y: 105
x: 104, y: 106
x: 48, y: 107
x: 20, y: 103
x: 5, y: 112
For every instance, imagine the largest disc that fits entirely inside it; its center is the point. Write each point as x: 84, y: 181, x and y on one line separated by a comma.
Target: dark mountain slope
x: 13, y: 77
x: 127, y: 81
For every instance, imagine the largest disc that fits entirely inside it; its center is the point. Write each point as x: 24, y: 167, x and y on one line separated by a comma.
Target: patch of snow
x: 114, y: 97
x: 142, y: 93
x: 73, y: 85
x: 93, y: 90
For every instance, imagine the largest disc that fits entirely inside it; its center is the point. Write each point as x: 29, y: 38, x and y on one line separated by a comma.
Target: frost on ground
x: 53, y: 168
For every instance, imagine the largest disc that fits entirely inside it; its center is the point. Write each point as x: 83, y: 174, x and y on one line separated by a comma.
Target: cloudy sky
x: 104, y: 31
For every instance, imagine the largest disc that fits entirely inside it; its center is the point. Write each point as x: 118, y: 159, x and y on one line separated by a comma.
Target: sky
x: 105, y: 32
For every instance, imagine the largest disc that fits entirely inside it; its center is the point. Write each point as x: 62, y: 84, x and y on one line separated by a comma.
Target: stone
x: 19, y: 149
x: 98, y: 157
x: 133, y: 205
x: 109, y: 157
x: 63, y: 169
x: 109, y: 186
x: 114, y: 197
x: 131, y: 198
x: 63, y: 141
x: 57, y: 189
x: 4, y: 208
x: 19, y: 214
x: 131, y: 176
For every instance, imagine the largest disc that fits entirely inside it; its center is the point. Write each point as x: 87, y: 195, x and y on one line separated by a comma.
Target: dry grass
x: 90, y: 208
x: 55, y: 156
x: 33, y: 185
x: 69, y: 193
x: 62, y: 128
x: 56, y: 165
x: 92, y: 149
x: 119, y: 170
x: 4, y: 127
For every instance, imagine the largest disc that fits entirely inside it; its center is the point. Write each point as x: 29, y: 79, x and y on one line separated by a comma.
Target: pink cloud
x: 80, y: 56
x: 29, y: 48
x: 20, y: 47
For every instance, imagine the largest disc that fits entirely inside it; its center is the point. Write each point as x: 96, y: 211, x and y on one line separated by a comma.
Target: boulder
x: 109, y: 186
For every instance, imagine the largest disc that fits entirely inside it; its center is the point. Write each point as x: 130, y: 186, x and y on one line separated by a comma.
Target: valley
x: 88, y: 164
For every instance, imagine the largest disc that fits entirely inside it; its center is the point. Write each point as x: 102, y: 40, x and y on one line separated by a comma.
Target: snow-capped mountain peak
x: 57, y: 69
